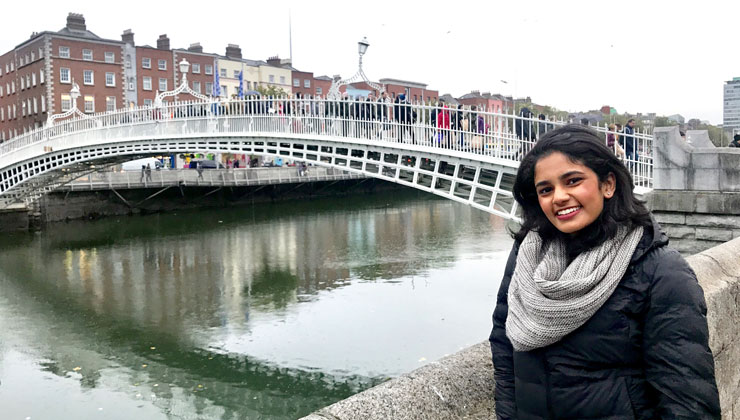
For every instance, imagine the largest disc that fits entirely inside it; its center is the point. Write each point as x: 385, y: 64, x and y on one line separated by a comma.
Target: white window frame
x: 108, y: 101
x: 209, y: 88
x: 92, y: 77
x: 33, y: 78
x: 196, y: 86
x: 146, y: 80
x: 87, y: 57
x: 23, y: 83
x: 271, y: 78
x: 66, y: 100
x: 236, y: 74
x: 296, y: 82
x: 319, y: 90
x: 131, y: 84
x: 35, y: 105
x: 64, y: 52
x: 33, y: 55
x: 41, y: 77
x: 110, y: 57
x: 209, y: 69
x: 91, y: 102
x: 162, y: 64
x: 110, y: 79
x: 160, y: 86
x: 28, y: 81
x: 62, y: 79
x: 146, y: 63
x: 196, y: 68
x: 147, y: 102
x: 43, y: 103
x: 223, y: 72
x: 282, y: 80
x: 307, y: 83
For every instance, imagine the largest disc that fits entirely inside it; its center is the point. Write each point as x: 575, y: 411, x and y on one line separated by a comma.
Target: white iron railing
x: 463, y: 129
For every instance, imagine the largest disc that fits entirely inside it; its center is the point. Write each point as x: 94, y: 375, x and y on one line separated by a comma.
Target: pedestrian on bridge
x: 596, y: 318
x: 735, y: 141
x: 148, y: 171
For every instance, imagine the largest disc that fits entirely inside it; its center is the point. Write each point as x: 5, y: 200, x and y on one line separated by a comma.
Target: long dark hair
x: 581, y: 145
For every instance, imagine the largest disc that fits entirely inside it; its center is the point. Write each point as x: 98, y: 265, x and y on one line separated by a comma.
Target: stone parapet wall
x: 696, y: 220
x: 460, y: 386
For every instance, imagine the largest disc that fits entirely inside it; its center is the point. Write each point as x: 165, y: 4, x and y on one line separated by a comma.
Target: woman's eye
x: 572, y: 181
x: 543, y: 191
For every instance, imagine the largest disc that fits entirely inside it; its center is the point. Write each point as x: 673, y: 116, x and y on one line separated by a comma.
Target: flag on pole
x: 216, y: 84
x: 241, y: 84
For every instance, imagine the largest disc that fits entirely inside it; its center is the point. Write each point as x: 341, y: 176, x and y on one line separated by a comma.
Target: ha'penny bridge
x: 410, y: 144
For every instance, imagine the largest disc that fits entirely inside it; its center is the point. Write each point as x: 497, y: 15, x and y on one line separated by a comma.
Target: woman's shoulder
x: 669, y: 276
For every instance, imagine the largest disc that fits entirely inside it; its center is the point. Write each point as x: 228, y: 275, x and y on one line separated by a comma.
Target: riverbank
x: 81, y: 204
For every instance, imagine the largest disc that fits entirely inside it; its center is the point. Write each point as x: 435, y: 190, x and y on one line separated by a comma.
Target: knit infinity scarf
x: 549, y: 299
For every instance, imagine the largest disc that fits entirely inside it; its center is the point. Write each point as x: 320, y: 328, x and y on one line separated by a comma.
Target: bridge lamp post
x: 359, y: 76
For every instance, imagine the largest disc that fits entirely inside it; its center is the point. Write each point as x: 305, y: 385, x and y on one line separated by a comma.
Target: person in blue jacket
x: 596, y: 317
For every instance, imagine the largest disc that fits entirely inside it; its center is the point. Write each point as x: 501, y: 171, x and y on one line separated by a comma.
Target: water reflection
x: 270, y: 311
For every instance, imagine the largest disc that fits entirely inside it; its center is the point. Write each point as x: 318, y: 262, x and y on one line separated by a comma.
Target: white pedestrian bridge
x: 461, y: 154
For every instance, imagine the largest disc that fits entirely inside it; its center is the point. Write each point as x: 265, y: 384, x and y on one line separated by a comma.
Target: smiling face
x: 569, y: 193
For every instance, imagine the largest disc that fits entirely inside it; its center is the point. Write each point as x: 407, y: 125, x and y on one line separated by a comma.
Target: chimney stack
x: 128, y: 37
x: 195, y: 47
x: 163, y: 43
x: 76, y: 22
x: 233, y: 51
x: 274, y: 61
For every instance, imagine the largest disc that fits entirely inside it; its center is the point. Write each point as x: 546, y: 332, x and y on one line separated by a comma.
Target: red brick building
x: 414, y: 91
x: 37, y: 76
x: 154, y: 70
x: 321, y: 85
x: 487, y: 102
x: 200, y: 75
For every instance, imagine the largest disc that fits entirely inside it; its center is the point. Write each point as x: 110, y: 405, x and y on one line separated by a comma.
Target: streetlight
x: 360, y: 75
x: 184, y: 66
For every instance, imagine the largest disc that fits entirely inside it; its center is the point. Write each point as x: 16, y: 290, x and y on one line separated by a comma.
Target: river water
x: 270, y: 311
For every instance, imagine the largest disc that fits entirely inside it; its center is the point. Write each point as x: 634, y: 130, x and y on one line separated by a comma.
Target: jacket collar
x: 653, y: 238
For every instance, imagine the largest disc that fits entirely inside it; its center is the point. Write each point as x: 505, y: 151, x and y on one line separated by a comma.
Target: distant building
x: 487, y: 102
x: 731, y: 117
x: 677, y: 118
x: 414, y: 91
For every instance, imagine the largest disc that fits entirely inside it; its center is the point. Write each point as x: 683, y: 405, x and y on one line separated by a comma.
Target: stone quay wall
x: 461, y: 386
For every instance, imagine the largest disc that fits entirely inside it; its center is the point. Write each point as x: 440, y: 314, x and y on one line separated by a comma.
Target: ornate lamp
x: 360, y: 75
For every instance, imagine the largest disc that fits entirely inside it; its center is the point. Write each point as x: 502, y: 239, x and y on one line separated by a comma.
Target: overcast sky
x: 637, y: 56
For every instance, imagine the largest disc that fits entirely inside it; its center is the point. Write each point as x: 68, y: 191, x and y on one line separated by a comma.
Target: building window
x: 249, y: 85
x: 23, y: 83
x: 196, y: 87
x: 64, y: 52
x: 196, y: 68
x: 110, y: 79
x: 28, y: 80
x: 41, y: 76
x: 209, y: 88
x: 87, y: 55
x: 12, y: 86
x: 147, y: 83
x: 110, y: 103
x: 131, y: 83
x: 147, y: 102
x: 146, y: 63
x: 15, y: 114
x: 282, y: 80
x: 307, y: 83
x: 33, y: 55
x: 43, y: 104
x: 296, y: 82
x: 110, y: 57
x: 128, y: 61
x: 162, y: 84
x: 1, y: 90
x: 87, y: 77
x: 236, y: 74
x: 64, y: 76
x: 162, y: 64
x: 33, y: 78
x: 66, y: 102
x: 41, y: 53
x: 271, y: 78
x: 224, y: 91
x: 35, y: 106
x: 23, y: 108
x: 89, y: 104
x: 223, y: 72
x: 209, y: 69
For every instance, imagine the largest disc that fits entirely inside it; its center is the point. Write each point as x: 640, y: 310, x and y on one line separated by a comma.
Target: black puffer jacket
x: 643, y: 355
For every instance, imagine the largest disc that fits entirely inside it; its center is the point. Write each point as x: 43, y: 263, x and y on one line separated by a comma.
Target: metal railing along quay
x: 210, y: 177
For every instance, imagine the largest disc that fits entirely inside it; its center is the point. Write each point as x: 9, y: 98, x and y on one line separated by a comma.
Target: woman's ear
x: 609, y: 186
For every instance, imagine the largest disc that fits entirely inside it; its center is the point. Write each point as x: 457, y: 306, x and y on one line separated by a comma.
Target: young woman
x: 596, y: 317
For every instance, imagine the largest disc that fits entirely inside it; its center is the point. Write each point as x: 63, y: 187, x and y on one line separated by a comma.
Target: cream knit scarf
x: 549, y: 299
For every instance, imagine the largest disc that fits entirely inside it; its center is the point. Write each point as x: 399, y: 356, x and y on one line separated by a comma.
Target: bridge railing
x: 463, y: 129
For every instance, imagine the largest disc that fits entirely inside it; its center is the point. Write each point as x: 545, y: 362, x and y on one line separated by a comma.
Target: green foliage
x: 271, y: 90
